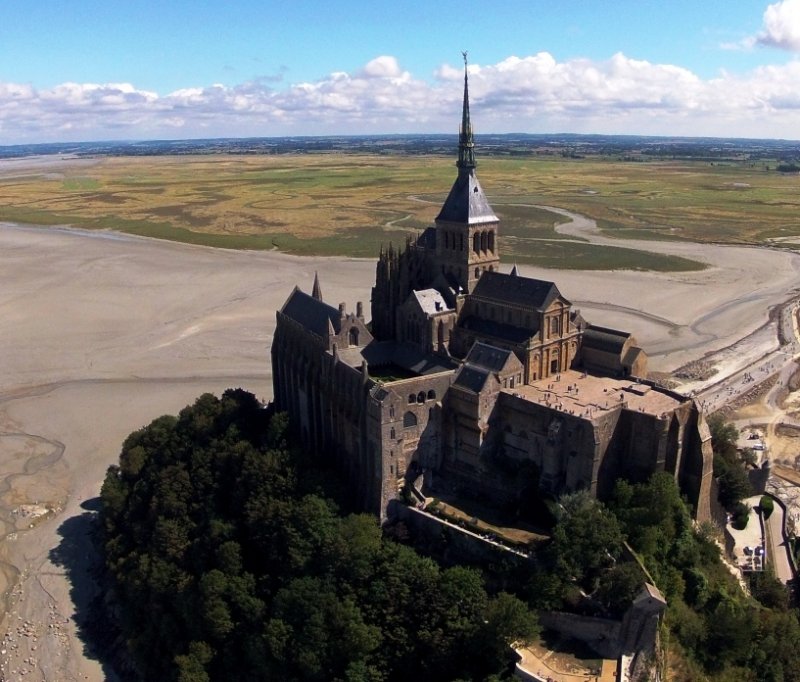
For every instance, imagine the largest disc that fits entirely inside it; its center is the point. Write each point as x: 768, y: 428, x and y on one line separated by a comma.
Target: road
x: 777, y: 555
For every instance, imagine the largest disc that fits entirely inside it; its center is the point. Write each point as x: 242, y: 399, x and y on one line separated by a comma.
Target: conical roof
x: 466, y: 202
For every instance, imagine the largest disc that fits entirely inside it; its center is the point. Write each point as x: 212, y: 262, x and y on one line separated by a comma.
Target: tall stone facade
x: 477, y: 382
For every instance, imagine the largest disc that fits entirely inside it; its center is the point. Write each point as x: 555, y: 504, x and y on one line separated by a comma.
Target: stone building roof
x: 497, y: 330
x: 488, y: 357
x: 513, y: 289
x: 604, y: 339
x: 313, y: 314
x: 466, y: 202
x: 472, y: 378
x: 430, y: 301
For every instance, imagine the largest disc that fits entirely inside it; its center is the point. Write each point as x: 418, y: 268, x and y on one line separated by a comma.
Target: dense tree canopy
x: 226, y: 564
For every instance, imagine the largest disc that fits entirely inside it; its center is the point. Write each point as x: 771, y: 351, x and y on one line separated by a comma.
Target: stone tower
x: 466, y: 227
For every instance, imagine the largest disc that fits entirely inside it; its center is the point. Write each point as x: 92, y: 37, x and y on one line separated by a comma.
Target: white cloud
x: 781, y: 26
x: 533, y: 93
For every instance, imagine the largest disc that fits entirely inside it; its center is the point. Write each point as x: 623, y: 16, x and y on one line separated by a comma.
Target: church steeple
x: 466, y: 143
x: 466, y: 227
x: 316, y: 291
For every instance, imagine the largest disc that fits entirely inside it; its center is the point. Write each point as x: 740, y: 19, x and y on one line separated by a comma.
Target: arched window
x: 491, y: 241
x: 392, y: 433
x: 484, y: 241
x: 391, y: 411
x: 491, y: 268
x: 477, y: 273
x: 411, y: 398
x: 421, y: 397
x: 353, y: 336
x: 431, y: 395
x: 476, y: 242
x: 409, y: 420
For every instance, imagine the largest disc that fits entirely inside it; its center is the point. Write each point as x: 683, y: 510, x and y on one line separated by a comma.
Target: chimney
x: 341, y: 311
x: 360, y: 311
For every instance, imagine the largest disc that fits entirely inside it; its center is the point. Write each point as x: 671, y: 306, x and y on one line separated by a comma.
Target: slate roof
x: 427, y: 239
x: 498, y: 330
x: 311, y: 313
x: 487, y: 357
x: 472, y: 378
x: 603, y: 339
x: 404, y: 355
x: 466, y: 202
x: 525, y: 291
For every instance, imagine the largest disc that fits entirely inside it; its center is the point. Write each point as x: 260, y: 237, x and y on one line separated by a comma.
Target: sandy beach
x: 103, y: 332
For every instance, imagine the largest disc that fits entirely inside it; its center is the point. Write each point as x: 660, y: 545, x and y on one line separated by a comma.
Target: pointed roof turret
x: 466, y: 143
x: 316, y: 292
x: 466, y: 202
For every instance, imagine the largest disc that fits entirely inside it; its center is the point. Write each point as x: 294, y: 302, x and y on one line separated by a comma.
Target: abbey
x: 472, y: 381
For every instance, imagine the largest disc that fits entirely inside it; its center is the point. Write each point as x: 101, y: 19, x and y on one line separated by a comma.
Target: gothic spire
x: 466, y: 145
x: 316, y: 292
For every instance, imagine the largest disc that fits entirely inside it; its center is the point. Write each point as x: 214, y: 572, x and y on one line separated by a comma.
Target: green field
x: 349, y: 205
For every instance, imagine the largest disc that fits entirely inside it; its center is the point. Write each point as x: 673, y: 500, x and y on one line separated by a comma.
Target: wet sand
x: 103, y: 332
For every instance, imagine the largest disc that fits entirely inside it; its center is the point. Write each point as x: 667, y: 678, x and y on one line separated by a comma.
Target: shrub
x: 741, y: 515
x: 767, y: 506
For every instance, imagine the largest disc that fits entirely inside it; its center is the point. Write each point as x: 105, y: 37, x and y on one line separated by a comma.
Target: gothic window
x: 477, y: 273
x: 391, y: 412
x: 392, y: 433
x: 431, y: 395
x: 353, y: 336
x: 409, y: 420
x: 484, y: 241
x: 476, y: 242
x: 421, y: 397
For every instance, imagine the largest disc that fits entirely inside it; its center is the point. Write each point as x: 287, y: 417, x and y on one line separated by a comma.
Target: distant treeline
x: 567, y: 145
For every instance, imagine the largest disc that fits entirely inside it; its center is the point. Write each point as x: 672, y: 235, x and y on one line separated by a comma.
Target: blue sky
x: 118, y: 69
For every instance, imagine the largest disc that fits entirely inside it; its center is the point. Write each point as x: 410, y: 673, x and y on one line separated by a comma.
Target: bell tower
x: 466, y: 227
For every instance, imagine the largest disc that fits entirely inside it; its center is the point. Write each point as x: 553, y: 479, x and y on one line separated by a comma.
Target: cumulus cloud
x: 781, y: 26
x: 534, y: 93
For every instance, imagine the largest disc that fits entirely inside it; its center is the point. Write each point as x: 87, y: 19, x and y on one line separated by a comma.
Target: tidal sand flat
x: 103, y: 332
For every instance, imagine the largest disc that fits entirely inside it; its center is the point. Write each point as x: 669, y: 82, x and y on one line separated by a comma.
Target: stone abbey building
x: 476, y: 382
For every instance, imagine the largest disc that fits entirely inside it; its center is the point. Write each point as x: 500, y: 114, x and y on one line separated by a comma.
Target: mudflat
x: 103, y: 332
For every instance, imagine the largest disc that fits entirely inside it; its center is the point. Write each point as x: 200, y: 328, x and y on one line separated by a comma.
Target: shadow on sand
x: 78, y: 556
